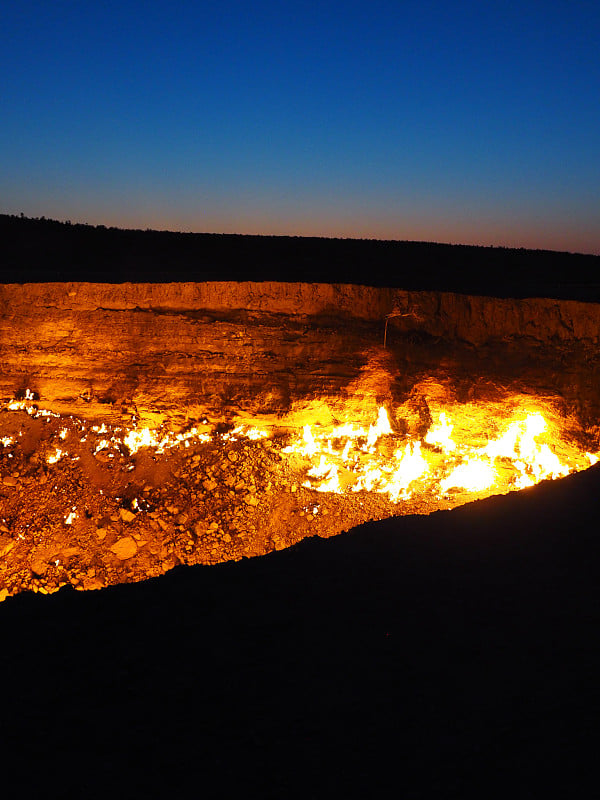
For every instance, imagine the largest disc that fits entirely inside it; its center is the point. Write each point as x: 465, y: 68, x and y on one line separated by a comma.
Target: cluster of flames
x: 109, y: 439
x: 453, y: 456
x: 158, y: 441
x: 472, y: 448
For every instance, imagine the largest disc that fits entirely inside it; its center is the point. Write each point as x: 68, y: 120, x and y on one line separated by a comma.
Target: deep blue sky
x: 460, y: 122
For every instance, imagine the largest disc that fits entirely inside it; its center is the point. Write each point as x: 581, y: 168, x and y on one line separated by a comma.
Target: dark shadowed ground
x: 445, y: 655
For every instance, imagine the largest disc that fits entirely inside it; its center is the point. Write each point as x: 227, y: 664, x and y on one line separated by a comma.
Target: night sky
x: 474, y: 123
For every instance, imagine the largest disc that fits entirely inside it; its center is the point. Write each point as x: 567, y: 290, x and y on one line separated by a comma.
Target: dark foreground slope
x: 40, y: 250
x: 438, y: 655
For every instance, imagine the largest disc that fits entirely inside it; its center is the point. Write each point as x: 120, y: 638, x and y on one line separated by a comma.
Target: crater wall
x: 153, y: 348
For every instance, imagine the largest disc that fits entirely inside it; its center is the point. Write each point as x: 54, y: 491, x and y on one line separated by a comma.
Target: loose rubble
x: 99, y: 515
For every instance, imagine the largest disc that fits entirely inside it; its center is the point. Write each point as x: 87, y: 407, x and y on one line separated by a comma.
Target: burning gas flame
x: 350, y: 457
x: 477, y: 448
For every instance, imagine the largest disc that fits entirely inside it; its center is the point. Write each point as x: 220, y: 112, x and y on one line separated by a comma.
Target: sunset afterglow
x: 460, y: 123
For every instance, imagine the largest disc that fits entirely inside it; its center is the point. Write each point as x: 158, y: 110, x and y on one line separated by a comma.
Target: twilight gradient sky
x: 472, y: 122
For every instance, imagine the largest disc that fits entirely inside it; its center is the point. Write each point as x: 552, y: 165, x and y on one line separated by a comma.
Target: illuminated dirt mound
x: 146, y: 425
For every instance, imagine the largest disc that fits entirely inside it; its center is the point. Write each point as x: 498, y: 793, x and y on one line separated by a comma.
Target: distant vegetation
x: 47, y: 250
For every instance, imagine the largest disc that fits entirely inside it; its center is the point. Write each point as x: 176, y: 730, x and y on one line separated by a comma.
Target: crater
x: 148, y: 425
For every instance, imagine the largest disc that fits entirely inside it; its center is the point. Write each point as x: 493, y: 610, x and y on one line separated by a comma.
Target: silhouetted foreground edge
x: 440, y: 654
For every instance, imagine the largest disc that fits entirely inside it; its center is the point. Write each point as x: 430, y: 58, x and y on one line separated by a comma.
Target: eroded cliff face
x: 160, y: 350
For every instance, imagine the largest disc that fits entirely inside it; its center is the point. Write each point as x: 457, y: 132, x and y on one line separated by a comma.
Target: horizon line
x: 330, y: 237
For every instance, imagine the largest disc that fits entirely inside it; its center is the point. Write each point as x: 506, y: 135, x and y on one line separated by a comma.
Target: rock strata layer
x: 149, y: 350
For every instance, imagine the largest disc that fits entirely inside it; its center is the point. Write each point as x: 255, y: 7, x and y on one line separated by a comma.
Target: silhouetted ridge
x: 47, y: 250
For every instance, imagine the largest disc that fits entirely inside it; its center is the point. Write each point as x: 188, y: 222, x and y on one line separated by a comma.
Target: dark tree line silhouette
x: 39, y: 249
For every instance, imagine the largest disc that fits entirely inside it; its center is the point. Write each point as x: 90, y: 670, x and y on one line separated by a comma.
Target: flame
x: 56, y: 456
x: 136, y: 439
x: 410, y: 467
x: 380, y: 428
x: 450, y: 457
x: 475, y: 475
x: 440, y: 434
x: 249, y: 433
x: 474, y: 448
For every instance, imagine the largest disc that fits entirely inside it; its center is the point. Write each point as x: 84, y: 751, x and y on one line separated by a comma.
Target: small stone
x: 182, y: 519
x: 91, y: 584
x: 3, y: 595
x: 226, y: 537
x: 8, y: 480
x: 124, y: 548
x: 232, y: 456
x: 126, y: 515
x: 39, y: 567
x: 213, y: 526
x: 101, y: 533
x: 173, y: 510
x: 164, y: 525
x: 251, y: 500
x: 209, y: 485
x: 5, y: 548
x: 69, y: 552
x: 294, y: 488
